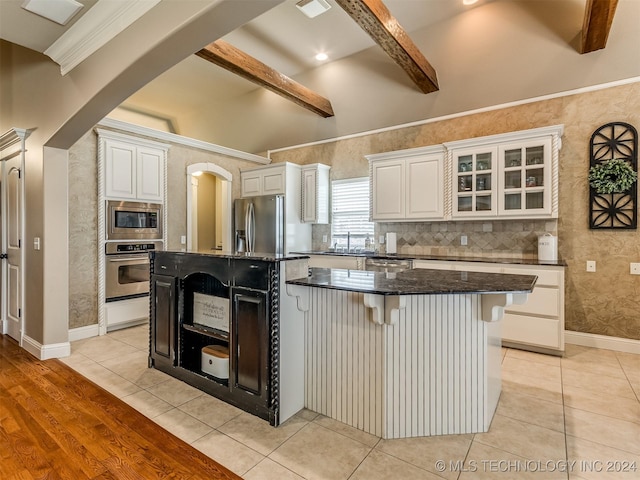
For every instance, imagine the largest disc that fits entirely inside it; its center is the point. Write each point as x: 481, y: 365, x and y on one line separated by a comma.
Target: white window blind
x: 350, y: 212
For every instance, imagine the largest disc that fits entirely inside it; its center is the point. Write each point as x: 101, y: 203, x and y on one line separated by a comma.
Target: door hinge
x: 3, y: 256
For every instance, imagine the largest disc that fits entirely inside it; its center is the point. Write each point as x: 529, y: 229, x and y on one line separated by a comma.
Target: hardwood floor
x: 54, y: 423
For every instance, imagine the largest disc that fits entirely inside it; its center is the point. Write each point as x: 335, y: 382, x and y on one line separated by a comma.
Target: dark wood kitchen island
x: 406, y: 354
x: 222, y: 323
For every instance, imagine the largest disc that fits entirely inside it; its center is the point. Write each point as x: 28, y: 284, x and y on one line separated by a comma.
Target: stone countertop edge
x: 416, y: 282
x: 267, y: 257
x: 446, y: 258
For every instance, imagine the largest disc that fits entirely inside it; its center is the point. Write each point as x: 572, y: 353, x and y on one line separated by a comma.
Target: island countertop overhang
x: 416, y: 282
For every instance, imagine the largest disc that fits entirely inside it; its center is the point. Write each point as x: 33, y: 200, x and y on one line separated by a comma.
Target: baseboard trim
x: 46, y: 352
x: 80, y: 333
x: 618, y: 344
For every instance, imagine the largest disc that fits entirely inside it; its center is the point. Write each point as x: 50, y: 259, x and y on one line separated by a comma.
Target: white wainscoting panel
x: 427, y: 374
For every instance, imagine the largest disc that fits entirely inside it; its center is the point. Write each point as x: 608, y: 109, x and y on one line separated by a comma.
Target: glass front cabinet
x: 525, y: 178
x: 475, y: 181
x: 512, y: 175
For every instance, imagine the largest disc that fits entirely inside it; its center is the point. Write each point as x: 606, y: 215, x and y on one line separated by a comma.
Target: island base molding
x: 434, y: 371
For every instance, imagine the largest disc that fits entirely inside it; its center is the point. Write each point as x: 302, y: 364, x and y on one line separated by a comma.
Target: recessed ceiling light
x: 469, y: 2
x: 59, y: 11
x: 321, y: 57
x: 313, y: 8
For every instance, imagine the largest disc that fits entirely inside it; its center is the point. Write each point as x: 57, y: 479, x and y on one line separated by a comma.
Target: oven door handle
x: 128, y: 259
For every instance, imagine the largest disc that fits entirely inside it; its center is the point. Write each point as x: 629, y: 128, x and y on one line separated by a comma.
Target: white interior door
x: 12, y: 183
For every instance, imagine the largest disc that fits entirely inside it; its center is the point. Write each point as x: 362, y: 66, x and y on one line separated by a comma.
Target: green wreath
x: 612, y: 176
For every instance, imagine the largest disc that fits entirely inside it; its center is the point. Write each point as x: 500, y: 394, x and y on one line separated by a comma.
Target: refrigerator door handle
x: 250, y: 223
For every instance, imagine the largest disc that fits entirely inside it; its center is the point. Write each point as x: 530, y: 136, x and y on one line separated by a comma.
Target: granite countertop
x: 416, y: 282
x: 446, y: 258
x: 267, y: 257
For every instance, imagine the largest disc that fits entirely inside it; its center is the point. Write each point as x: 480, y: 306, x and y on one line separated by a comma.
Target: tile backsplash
x: 499, y: 238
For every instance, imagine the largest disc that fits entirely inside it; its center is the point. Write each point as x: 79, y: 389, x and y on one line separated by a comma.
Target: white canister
x: 547, y: 248
x: 391, y: 243
x: 215, y: 361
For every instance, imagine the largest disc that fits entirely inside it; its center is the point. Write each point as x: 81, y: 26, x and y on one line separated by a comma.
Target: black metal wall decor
x: 618, y: 209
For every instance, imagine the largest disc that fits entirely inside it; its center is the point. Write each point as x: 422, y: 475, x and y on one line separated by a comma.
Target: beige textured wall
x: 606, y: 302
x: 83, y: 216
x: 83, y: 232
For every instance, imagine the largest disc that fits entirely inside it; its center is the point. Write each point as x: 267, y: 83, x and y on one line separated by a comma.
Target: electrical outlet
x: 381, y: 239
x: 635, y: 269
x: 324, y: 239
x: 463, y: 240
x: 591, y: 265
x: 183, y: 239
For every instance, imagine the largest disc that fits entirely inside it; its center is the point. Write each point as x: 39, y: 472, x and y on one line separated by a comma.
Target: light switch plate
x: 635, y: 269
x: 183, y: 239
x: 324, y: 239
x: 463, y: 240
x: 381, y: 239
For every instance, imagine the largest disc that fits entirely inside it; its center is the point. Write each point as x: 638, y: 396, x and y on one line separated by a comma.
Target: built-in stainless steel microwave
x: 133, y: 220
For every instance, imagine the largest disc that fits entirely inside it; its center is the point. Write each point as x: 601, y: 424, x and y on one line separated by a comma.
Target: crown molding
x: 180, y: 140
x: 94, y: 29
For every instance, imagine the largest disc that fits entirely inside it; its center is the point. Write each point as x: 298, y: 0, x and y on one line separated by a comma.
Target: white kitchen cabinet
x: 407, y: 185
x: 536, y: 325
x: 474, y: 181
x: 315, y: 193
x: 134, y: 168
x: 506, y: 176
x: 268, y: 180
x: 525, y: 180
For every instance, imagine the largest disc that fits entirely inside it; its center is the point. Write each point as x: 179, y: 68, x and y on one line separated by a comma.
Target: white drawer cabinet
x: 536, y: 325
x: 337, y: 261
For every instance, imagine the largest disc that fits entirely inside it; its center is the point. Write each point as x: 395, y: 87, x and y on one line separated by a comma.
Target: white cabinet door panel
x: 251, y: 185
x: 121, y: 170
x: 543, y: 332
x: 309, y: 196
x: 150, y: 179
x: 388, y: 192
x: 424, y: 180
x: 273, y: 183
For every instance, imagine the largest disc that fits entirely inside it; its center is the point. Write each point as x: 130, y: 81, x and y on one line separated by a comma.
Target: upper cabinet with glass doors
x: 512, y: 175
x: 474, y: 192
x: 525, y: 178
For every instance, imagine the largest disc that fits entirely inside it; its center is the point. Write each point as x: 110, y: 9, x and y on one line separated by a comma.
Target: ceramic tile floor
x: 576, y: 417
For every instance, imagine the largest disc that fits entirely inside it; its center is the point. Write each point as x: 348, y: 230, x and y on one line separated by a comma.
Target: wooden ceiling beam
x: 598, y: 17
x: 236, y: 61
x: 375, y: 19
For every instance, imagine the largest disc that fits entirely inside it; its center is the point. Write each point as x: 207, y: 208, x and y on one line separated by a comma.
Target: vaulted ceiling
x: 385, y: 58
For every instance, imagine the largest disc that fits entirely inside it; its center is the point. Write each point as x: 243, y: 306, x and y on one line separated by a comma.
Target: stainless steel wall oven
x: 127, y: 269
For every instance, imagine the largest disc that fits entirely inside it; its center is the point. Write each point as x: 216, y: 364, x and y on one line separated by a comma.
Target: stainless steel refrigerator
x: 269, y: 224
x: 259, y: 224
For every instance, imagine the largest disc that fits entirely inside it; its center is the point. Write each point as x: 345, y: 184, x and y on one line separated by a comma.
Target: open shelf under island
x: 415, y: 353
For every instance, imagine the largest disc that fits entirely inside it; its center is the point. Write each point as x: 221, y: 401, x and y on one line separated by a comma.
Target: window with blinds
x: 350, y: 213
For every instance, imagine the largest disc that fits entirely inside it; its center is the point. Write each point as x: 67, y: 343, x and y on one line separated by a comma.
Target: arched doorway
x: 209, y: 205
